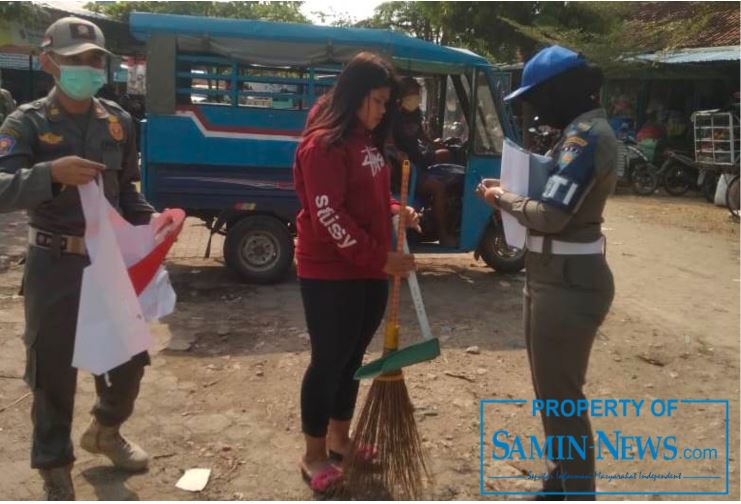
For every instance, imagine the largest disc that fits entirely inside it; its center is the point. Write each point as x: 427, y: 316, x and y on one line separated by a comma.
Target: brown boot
x: 58, y: 483
x: 108, y: 441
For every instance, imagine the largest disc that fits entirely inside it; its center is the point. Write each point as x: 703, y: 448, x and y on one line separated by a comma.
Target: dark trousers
x: 566, y: 300
x: 342, y: 316
x: 51, y: 287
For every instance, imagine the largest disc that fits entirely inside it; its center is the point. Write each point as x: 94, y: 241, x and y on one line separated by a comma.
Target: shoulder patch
x: 575, y: 140
x: 7, y: 143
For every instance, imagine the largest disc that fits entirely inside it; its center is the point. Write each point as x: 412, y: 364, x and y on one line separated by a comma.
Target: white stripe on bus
x: 230, y: 134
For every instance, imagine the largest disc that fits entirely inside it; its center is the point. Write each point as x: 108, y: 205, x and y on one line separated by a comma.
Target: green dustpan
x: 423, y: 351
x: 419, y: 352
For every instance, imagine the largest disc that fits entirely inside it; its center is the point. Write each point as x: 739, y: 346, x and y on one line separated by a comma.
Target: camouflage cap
x: 71, y: 35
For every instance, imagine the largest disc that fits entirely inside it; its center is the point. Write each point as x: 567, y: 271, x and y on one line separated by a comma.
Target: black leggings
x: 342, y: 316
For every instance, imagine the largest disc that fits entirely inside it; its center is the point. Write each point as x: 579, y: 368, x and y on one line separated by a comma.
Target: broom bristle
x: 386, y: 423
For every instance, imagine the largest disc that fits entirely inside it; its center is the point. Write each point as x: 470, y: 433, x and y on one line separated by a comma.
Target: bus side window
x: 203, y: 80
x: 213, y: 80
x: 273, y: 88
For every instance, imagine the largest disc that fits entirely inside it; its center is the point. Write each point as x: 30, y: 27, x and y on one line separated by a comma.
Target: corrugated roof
x: 721, y: 29
x: 694, y: 55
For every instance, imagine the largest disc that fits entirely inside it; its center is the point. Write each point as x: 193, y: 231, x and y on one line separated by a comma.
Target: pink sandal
x: 325, y: 481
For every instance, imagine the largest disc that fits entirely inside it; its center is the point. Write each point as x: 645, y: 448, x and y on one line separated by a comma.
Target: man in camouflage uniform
x: 569, y: 287
x: 47, y: 148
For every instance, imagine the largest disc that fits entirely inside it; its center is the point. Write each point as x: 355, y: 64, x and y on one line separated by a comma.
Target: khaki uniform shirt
x: 42, y: 131
x: 574, y: 198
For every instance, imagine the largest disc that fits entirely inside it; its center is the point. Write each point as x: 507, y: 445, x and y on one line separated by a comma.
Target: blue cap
x: 548, y: 63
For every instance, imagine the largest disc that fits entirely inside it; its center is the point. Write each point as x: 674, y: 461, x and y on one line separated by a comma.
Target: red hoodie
x: 344, y: 225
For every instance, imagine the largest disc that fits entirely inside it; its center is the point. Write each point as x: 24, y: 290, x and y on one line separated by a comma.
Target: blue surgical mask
x: 80, y: 82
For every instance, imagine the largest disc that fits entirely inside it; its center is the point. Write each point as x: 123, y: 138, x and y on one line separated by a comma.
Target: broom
x: 386, y: 429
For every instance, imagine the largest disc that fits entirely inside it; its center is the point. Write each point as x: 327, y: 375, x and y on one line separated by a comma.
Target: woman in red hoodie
x: 344, y: 252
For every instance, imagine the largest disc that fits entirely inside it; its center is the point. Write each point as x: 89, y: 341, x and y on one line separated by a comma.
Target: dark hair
x: 575, y: 84
x: 584, y: 80
x: 409, y: 85
x: 567, y: 95
x: 336, y: 112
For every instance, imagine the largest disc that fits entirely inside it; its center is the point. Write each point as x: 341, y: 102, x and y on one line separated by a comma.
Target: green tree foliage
x: 511, y: 31
x: 20, y: 11
x: 476, y: 25
x: 269, y: 11
x: 597, y: 29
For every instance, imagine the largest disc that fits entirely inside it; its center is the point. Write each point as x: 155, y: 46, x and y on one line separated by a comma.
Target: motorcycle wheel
x: 644, y: 179
x: 677, y: 180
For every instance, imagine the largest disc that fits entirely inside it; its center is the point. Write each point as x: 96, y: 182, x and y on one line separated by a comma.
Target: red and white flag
x: 125, y: 286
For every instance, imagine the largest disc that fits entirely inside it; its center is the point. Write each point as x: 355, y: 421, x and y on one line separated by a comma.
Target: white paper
x: 526, y: 174
x: 515, y: 176
x: 194, y: 480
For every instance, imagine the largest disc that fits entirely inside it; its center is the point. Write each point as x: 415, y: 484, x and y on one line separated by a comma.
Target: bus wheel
x: 495, y: 252
x: 259, y: 248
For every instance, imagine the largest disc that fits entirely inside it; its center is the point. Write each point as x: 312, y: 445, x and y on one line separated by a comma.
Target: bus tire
x: 259, y: 248
x: 496, y: 254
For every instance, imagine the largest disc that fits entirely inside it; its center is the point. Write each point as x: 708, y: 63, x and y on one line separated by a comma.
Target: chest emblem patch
x: 50, y: 138
x: 115, y: 128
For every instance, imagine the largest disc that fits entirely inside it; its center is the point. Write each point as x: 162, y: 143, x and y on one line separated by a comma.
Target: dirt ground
x: 223, y: 389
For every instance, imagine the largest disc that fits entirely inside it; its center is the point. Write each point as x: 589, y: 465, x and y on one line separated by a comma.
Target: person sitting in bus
x: 412, y: 141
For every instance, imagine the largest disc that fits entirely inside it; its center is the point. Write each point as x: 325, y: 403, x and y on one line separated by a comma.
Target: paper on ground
x: 194, y: 480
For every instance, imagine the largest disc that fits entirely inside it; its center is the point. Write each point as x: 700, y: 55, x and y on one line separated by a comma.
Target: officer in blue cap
x: 569, y: 287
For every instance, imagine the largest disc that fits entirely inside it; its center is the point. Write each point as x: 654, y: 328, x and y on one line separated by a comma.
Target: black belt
x: 56, y: 241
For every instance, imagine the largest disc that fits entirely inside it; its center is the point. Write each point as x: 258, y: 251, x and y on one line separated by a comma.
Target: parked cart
x: 717, y: 147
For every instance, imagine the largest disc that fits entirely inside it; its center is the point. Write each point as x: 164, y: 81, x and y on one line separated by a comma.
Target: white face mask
x: 411, y: 103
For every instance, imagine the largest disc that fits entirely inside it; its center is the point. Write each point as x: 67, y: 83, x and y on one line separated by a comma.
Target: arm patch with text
x: 574, y: 171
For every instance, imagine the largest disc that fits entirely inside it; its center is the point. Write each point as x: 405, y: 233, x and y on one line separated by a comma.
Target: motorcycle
x: 679, y: 173
x: 636, y: 170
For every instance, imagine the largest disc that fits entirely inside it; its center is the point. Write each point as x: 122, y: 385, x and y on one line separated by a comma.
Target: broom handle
x: 391, y: 337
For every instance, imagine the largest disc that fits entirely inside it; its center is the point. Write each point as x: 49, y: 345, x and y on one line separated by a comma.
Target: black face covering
x: 560, y: 100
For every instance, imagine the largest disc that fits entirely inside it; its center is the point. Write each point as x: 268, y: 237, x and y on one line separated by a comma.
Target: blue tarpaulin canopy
x: 272, y: 43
